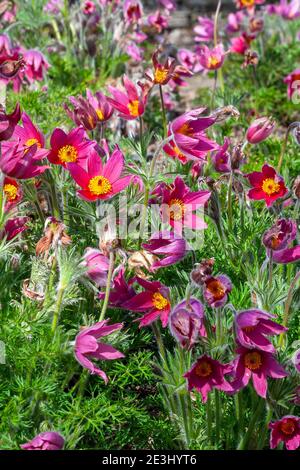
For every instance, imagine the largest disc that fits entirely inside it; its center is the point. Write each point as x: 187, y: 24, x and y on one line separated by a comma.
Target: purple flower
x: 234, y: 21
x: 287, y: 430
x: 260, y: 129
x: 221, y: 158
x: 204, y: 30
x: 171, y: 246
x: 216, y: 290
x: 13, y: 227
x: 87, y: 346
x: 97, y: 266
x: 186, y: 322
x: 120, y: 291
x: 212, y: 59
x: 252, y: 327
x: 45, y: 441
x: 257, y: 364
x: 207, y: 374
x: 277, y: 240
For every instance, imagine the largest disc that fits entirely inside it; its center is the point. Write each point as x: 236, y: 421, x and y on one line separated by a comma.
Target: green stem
x: 54, y: 200
x: 288, y: 306
x: 144, y: 212
x: 59, y: 300
x: 209, y: 419
x: 239, y: 412
x: 283, y: 150
x: 229, y: 202
x: 219, y: 332
x: 247, y: 436
x: 265, y: 428
x: 159, y: 340
x: 51, y: 280
x: 218, y: 415
x: 108, y: 285
x: 163, y: 111
x: 271, y: 269
x: 65, y: 208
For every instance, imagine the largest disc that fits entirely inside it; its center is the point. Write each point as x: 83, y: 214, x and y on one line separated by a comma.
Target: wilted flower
x: 21, y: 163
x: 252, y: 326
x: 259, y: 365
x: 100, y: 181
x: 154, y: 300
x: 13, y: 227
x: 54, y: 235
x: 250, y: 58
x: 45, y: 441
x: 131, y: 104
x: 8, y: 122
x: 169, y: 246
x: 11, y: 65
x: 207, y: 374
x: 69, y: 148
x: 267, y: 185
x: 296, y: 187
x: 221, y: 158
x: 202, y: 271
x: 212, y: 59
x: 216, y: 290
x: 87, y: 346
x: 293, y: 82
x: 187, y: 322
x: 260, y: 130
x: 287, y: 430
x: 204, y: 30
x: 256, y: 25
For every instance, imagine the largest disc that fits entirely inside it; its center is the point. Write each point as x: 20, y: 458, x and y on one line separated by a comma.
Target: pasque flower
x: 248, y: 3
x: 207, y: 374
x: 221, y: 158
x: 154, y: 300
x: 158, y: 21
x: 216, y: 290
x: 277, y: 240
x: 45, y: 441
x: 69, y: 148
x: 240, y: 44
x: 189, y: 136
x: 289, y: 10
x: 187, y: 322
x: 5, y: 45
x: 257, y: 364
x: 179, y: 204
x: 234, y: 21
x: 293, y: 82
x: 133, y: 11
x: 171, y: 247
x: 91, y: 111
x: 212, y: 59
x: 100, y: 181
x: 204, y: 30
x: 11, y: 65
x: 252, y: 328
x: 12, y: 191
x: 36, y: 65
x: 267, y: 185
x: 163, y: 73
x: 260, y: 130
x: 173, y: 151
x: 287, y: 430
x: 121, y: 291
x: 97, y: 266
x: 88, y: 347
x: 8, y: 122
x: 130, y: 103
x: 29, y: 135
x: 21, y: 163
x: 13, y: 227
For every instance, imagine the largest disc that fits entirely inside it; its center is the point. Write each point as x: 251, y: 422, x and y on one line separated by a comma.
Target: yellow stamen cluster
x: 216, y: 288
x: 270, y: 186
x: 133, y: 107
x: 203, y: 369
x: 159, y: 301
x: 160, y: 75
x: 10, y: 191
x: 248, y: 329
x: 99, y: 185
x: 67, y: 154
x: 31, y: 142
x: 253, y: 360
x: 186, y: 130
x: 100, y: 114
x: 213, y: 61
x: 176, y: 209
x: 247, y: 3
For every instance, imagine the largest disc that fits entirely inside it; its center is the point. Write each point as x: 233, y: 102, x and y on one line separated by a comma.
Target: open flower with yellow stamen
x: 130, y: 103
x: 287, y: 430
x: 211, y: 59
x: 154, y: 301
x: 216, y: 290
x: 250, y: 4
x: 257, y: 364
x: 100, y: 181
x: 207, y: 374
x: 267, y: 185
x: 29, y: 135
x: 73, y: 147
x: 163, y: 73
x: 13, y: 193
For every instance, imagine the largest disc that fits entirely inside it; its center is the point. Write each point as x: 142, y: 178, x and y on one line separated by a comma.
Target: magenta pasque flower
x: 97, y: 266
x: 240, y: 44
x: 29, y: 135
x: 14, y: 227
x: 216, y: 290
x: 21, y: 163
x: 158, y: 21
x: 36, y: 65
x: 45, y: 441
x: 212, y: 59
x: 267, y: 185
x: 204, y: 30
x: 179, y: 204
x: 207, y: 374
x: 189, y: 136
x: 88, y: 347
x: 260, y: 130
x: 248, y: 3
x: 170, y: 246
x: 287, y: 430
x: 133, y: 11
x: 131, y: 103
x: 252, y: 328
x: 293, y: 82
x: 187, y: 322
x: 154, y: 300
x: 289, y: 10
x: 259, y: 365
x: 8, y: 122
x: 69, y: 148
x: 234, y: 21
x: 100, y: 181
x: 13, y: 193
x: 277, y: 240
x: 121, y: 291
x: 221, y: 158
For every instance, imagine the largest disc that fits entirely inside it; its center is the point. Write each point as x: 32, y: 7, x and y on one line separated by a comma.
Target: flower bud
x: 260, y: 130
x: 186, y: 322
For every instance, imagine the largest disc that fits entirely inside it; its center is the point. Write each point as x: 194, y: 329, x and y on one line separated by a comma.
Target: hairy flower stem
x: 209, y: 419
x: 212, y: 101
x: 264, y: 431
x: 219, y: 332
x: 65, y: 208
x: 56, y: 315
x: 239, y: 413
x: 51, y: 280
x: 144, y: 212
x: 141, y: 134
x: 271, y: 269
x: 163, y: 111
x: 243, y: 445
x: 108, y: 285
x: 287, y: 306
x: 229, y: 202
x: 283, y: 150
x: 218, y: 415
x: 159, y: 340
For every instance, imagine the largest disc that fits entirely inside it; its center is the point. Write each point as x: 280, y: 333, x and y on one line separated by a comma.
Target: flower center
x: 10, y: 191
x: 100, y: 114
x: 216, y: 288
x: 248, y: 329
x: 67, y: 154
x: 160, y: 75
x: 203, y: 369
x: 31, y: 142
x: 179, y: 154
x: 253, y: 360
x: 213, y: 61
x: 176, y: 209
x: 270, y: 186
x: 159, y: 301
x: 100, y: 185
x: 247, y: 3
x: 288, y: 427
x: 186, y: 129
x: 133, y: 107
